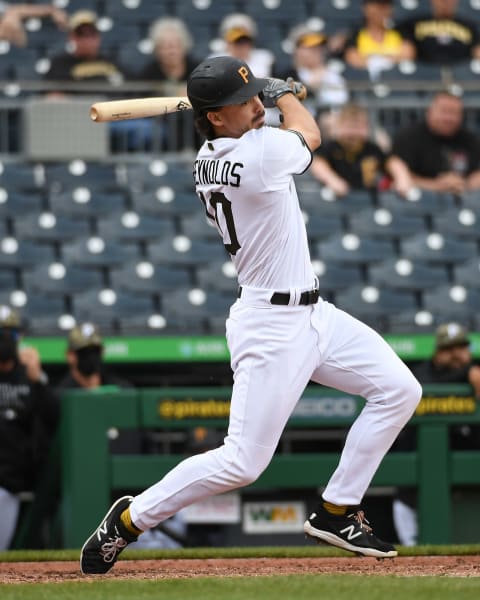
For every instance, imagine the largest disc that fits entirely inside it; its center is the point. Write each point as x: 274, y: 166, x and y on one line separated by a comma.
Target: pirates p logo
x: 243, y: 72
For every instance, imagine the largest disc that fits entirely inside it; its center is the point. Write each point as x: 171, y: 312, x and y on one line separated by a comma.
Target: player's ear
x: 215, y: 117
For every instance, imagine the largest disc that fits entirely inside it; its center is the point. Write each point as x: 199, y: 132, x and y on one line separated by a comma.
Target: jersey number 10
x: 221, y: 204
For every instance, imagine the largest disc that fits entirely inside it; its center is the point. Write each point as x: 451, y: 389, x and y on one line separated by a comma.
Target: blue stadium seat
x: 69, y: 175
x: 428, y: 203
x: 145, y: 276
x: 106, y: 306
x: 159, y: 172
x: 19, y: 176
x: 8, y: 278
x: 198, y: 225
x: 33, y: 306
x: 468, y: 273
x: 165, y: 201
x: 462, y: 223
x: 219, y: 275
x: 180, y: 250
x: 13, y: 204
x: 452, y: 302
x: 335, y: 277
x: 385, y: 224
x: 59, y: 280
x: 351, y: 249
x: 97, y: 252
x: 49, y: 227
x: 83, y: 202
x: 133, y: 226
x: 404, y: 274
x: 24, y: 253
x: 321, y: 226
x: 436, y: 248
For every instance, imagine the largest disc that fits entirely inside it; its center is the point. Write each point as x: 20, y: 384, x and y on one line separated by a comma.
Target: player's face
x: 237, y: 119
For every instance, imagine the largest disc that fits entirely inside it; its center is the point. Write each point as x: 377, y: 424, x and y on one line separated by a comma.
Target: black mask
x: 8, y: 348
x: 89, y: 361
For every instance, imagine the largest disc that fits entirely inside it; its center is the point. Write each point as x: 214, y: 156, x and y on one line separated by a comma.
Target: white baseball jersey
x: 247, y: 187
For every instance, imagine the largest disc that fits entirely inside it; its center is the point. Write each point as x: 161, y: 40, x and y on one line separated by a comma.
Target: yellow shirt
x: 389, y: 46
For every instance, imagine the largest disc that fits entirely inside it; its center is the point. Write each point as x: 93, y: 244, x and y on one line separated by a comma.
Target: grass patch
x: 311, y: 550
x: 300, y: 587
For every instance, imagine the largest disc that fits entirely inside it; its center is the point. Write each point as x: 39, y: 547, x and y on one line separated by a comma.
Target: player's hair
x: 203, y: 124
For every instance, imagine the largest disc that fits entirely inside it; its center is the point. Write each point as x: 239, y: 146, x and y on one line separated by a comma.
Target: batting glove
x: 274, y: 90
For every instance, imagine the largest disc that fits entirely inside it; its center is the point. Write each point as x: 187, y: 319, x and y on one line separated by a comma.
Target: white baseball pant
x: 9, y: 509
x: 275, y: 351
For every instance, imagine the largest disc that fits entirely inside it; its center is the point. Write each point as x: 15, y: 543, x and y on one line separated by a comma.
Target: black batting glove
x: 273, y: 91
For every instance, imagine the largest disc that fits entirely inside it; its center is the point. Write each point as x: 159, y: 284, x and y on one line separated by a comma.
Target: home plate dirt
x: 409, y: 566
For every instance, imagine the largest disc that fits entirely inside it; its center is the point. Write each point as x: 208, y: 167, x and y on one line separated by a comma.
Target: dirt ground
x: 41, y: 572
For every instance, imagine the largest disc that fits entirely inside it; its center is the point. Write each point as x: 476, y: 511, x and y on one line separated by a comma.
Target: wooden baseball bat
x: 137, y: 108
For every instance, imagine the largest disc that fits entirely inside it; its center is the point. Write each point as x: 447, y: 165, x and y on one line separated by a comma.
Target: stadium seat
x: 468, y: 273
x: 96, y: 252
x: 181, y: 250
x: 106, y: 306
x: 59, y: 279
x: 197, y: 225
x: 19, y: 176
x: 145, y: 276
x: 426, y: 203
x: 436, y: 248
x: 321, y: 226
x: 83, y: 202
x: 452, y: 302
x: 219, y: 275
x: 76, y: 173
x: 334, y: 277
x: 461, y: 223
x: 384, y: 224
x: 132, y: 226
x: 8, y: 278
x: 33, y: 306
x: 49, y: 227
x: 403, y: 274
x: 24, y: 253
x: 165, y: 201
x: 158, y: 172
x: 14, y: 203
x: 351, y: 249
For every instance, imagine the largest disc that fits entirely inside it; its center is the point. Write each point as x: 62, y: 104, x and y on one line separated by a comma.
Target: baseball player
x: 281, y: 334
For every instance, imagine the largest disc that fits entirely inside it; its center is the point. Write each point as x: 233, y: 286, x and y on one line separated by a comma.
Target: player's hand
x: 274, y: 90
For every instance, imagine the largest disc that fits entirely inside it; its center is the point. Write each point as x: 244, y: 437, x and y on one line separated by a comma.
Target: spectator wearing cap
x: 85, y: 361
x: 239, y: 33
x: 12, y: 19
x: 85, y: 61
x: 172, y: 60
x: 376, y: 45
x: 452, y: 362
x: 28, y: 420
x: 440, y: 36
x: 324, y: 84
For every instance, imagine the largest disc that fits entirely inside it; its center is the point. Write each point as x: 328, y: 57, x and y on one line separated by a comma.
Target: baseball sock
x: 126, y: 520
x: 334, y: 509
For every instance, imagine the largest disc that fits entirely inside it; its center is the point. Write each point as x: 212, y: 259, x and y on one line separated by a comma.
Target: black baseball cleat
x: 101, y: 550
x: 351, y: 532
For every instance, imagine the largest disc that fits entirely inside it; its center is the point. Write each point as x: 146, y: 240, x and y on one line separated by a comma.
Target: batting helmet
x: 221, y: 81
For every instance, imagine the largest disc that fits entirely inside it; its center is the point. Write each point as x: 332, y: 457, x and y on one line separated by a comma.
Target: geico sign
x: 340, y: 406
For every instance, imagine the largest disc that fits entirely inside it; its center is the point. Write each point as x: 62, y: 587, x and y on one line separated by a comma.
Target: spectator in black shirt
x: 85, y: 62
x: 441, y: 154
x: 441, y: 36
x: 352, y: 161
x: 28, y: 421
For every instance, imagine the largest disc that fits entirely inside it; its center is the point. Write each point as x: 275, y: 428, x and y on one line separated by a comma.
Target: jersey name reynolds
x: 217, y: 172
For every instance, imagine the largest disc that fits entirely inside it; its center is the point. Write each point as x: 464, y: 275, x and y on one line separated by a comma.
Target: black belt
x: 283, y: 298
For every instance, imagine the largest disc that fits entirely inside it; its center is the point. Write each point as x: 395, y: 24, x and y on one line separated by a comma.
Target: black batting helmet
x: 221, y: 81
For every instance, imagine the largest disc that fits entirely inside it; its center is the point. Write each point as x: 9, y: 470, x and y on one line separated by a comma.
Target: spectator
x: 28, y: 420
x: 324, y: 84
x: 377, y: 46
x: 85, y: 361
x: 440, y: 152
x: 87, y: 371
x: 239, y: 33
x: 13, y: 16
x: 352, y: 161
x: 451, y: 363
x: 173, y: 61
x: 441, y: 37
x: 84, y: 62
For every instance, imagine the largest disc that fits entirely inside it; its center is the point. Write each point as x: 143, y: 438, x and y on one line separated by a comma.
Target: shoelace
x: 110, y: 549
x: 359, y: 516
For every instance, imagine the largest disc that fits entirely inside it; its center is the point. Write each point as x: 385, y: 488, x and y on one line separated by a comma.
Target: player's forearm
x: 298, y: 118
